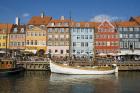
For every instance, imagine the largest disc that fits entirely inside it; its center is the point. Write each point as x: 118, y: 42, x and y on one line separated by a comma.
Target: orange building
x: 4, y: 32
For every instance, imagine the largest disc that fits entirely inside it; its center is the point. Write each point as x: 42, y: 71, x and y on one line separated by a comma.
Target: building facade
x: 36, y: 34
x: 82, y: 39
x: 107, y: 38
x: 129, y: 33
x: 17, y: 37
x: 58, y: 37
x: 5, y: 29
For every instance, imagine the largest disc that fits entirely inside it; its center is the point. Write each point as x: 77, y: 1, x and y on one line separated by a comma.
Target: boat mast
x: 6, y: 37
x: 70, y: 37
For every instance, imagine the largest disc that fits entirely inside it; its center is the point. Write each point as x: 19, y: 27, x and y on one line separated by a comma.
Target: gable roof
x: 126, y: 24
x: 4, y: 27
x: 38, y: 20
x: 136, y: 19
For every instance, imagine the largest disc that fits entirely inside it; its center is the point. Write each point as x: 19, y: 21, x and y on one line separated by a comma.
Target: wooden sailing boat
x: 65, y: 69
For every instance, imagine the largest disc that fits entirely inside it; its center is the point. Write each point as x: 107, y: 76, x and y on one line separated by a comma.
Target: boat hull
x: 69, y: 70
x: 11, y: 71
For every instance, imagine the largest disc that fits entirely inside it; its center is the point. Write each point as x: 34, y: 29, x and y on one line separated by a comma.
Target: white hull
x: 70, y: 70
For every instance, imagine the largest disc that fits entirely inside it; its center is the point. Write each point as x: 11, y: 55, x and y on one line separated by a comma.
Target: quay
x: 34, y: 65
x: 44, y: 66
x: 125, y: 66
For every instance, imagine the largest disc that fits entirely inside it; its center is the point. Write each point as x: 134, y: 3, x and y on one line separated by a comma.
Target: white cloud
x: 103, y: 17
x: 25, y: 15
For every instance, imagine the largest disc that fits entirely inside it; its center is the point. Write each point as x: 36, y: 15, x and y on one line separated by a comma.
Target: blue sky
x: 81, y: 10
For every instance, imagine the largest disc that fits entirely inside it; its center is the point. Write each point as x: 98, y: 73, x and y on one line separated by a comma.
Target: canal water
x: 45, y: 82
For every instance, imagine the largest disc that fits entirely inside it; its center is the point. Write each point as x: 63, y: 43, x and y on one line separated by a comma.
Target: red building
x: 107, y: 38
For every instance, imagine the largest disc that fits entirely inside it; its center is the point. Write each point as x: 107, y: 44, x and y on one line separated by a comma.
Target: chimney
x: 62, y: 18
x: 17, y: 21
x: 42, y: 15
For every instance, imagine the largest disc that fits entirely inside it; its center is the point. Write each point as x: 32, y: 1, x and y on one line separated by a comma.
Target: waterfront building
x: 4, y: 35
x: 17, y: 37
x: 129, y: 33
x: 58, y: 37
x: 36, y: 34
x: 82, y: 39
x: 107, y: 38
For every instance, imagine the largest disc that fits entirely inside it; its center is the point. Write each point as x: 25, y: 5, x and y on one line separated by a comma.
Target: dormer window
x: 31, y: 27
x: 86, y: 25
x: 51, y: 24
x: 22, y: 30
x: 15, y: 30
x: 78, y: 25
x: 4, y: 30
x: 66, y: 24
x: 58, y: 24
x: 42, y: 26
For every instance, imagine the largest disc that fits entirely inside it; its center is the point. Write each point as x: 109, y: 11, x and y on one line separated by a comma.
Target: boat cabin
x: 7, y: 64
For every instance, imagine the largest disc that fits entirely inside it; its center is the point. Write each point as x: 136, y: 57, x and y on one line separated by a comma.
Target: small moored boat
x: 65, y: 69
x: 9, y: 67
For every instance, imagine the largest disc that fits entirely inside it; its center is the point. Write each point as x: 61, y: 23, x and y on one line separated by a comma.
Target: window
x: 3, y: 44
x: 108, y: 43
x: 35, y: 42
x: 86, y: 36
x: 27, y: 42
x: 56, y: 50
x: 61, y: 37
x: 125, y: 29
x: 42, y: 27
x: 56, y: 29
x: 51, y: 24
x: 32, y: 42
x: 77, y: 24
x: 61, y: 51
x: 125, y: 44
x: 32, y: 33
x: 65, y: 24
x: 82, y: 36
x: 22, y: 43
x: 137, y: 36
x: 78, y: 36
x: 82, y: 44
x: 31, y: 27
x: 125, y: 35
x: 22, y: 30
x: 90, y: 37
x: 66, y: 30
x: 74, y: 43
x: 49, y: 29
x: 121, y: 44
x: 62, y: 29
x: 130, y: 29
x: 15, y: 30
x: 18, y: 43
x: 120, y: 29
x: 136, y: 29
x: 136, y: 44
x: 130, y: 35
x: 67, y: 51
x: 86, y: 44
x: 86, y: 25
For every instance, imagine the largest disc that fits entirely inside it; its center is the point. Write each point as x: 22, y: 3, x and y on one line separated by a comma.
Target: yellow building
x: 36, y: 34
x: 4, y: 32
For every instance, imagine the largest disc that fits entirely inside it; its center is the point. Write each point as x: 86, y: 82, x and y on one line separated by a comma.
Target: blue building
x: 82, y: 40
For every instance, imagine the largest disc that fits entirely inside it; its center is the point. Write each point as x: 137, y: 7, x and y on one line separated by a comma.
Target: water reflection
x: 45, y: 82
x: 84, y: 83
